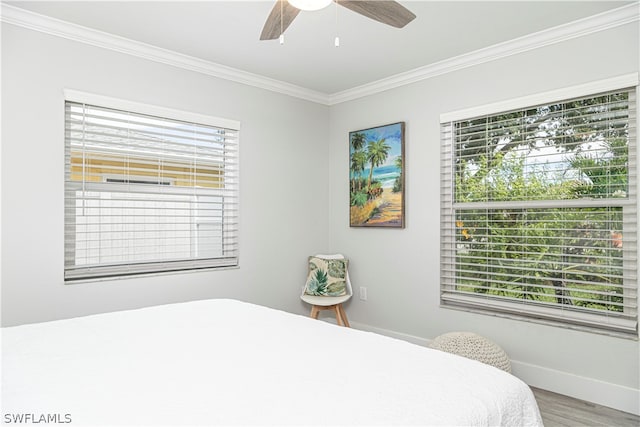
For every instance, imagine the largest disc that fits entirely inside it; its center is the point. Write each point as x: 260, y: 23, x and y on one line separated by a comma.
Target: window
x: 538, y: 211
x: 147, y: 189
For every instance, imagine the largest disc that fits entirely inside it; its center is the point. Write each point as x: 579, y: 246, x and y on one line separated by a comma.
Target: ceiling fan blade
x: 388, y: 12
x: 275, y: 25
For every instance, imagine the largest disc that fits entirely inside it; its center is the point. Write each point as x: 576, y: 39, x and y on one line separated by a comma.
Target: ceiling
x: 227, y: 33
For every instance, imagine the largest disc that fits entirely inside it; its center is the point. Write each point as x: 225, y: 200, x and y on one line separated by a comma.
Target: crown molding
x: 558, y: 95
x: 603, y: 21
x: 52, y: 26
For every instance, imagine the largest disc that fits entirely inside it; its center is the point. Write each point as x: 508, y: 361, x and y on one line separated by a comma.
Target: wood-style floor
x: 562, y: 411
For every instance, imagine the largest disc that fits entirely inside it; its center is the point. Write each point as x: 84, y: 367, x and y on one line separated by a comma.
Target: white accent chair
x: 319, y: 303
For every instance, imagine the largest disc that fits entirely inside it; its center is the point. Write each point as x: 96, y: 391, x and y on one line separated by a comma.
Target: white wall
x: 279, y: 183
x: 400, y: 268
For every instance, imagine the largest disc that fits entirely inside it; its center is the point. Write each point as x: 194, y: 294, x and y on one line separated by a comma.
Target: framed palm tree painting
x: 376, y: 177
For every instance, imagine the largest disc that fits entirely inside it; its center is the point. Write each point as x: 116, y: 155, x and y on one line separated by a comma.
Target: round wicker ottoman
x: 473, y: 346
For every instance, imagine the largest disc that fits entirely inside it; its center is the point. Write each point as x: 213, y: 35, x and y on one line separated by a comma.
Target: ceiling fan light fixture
x: 387, y: 12
x: 310, y: 4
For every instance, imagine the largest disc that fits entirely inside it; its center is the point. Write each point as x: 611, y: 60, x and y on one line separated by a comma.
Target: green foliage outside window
x: 545, y: 251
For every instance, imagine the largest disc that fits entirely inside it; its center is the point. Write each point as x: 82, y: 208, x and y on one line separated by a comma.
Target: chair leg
x: 315, y: 311
x: 336, y: 309
x: 343, y: 315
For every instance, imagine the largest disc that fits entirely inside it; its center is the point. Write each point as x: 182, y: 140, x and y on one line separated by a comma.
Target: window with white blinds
x: 539, y: 212
x: 148, y: 193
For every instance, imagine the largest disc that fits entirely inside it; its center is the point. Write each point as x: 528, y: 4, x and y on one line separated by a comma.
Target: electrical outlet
x: 363, y: 293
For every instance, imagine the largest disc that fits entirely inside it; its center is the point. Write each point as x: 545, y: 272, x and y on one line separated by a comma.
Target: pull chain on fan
x: 336, y: 41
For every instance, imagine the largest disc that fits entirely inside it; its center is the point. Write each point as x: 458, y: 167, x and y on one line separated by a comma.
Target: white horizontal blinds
x: 539, y: 211
x: 146, y: 194
x: 565, y: 142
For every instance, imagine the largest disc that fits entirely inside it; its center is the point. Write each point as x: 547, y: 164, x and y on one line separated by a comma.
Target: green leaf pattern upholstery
x: 326, y: 277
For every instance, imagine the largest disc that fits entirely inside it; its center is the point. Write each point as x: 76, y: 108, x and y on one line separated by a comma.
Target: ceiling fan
x: 284, y: 11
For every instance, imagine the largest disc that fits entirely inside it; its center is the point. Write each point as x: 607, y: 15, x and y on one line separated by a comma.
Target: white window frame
x: 75, y: 273
x: 522, y: 311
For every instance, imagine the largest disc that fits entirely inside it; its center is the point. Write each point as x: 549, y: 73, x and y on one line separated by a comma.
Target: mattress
x: 227, y: 362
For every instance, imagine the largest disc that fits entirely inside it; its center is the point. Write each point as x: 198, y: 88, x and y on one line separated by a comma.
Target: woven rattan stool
x: 473, y: 346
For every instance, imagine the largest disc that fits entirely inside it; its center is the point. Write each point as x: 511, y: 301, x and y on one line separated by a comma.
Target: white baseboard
x: 615, y: 396
x: 393, y: 334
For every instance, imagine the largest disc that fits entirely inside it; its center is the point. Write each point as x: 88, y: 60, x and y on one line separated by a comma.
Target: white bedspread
x: 225, y: 362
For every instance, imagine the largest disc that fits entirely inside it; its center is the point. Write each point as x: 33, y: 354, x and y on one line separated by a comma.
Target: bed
x: 227, y: 362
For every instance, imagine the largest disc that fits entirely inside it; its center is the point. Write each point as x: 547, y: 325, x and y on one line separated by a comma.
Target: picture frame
x: 377, y: 176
